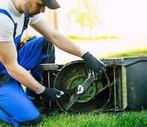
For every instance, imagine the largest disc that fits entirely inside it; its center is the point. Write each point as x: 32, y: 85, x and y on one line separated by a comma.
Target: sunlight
x: 125, y: 18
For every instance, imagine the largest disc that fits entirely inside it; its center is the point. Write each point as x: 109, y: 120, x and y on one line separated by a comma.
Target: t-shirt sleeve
x: 6, y: 28
x: 35, y: 19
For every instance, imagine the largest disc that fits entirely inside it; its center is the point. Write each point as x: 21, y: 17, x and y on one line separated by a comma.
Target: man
x: 15, y: 106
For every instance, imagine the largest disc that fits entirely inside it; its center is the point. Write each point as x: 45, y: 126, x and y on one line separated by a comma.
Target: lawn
x: 121, y: 119
x: 129, y: 119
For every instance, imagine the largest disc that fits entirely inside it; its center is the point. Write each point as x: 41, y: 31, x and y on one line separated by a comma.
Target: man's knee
x: 49, y: 49
x: 32, y: 121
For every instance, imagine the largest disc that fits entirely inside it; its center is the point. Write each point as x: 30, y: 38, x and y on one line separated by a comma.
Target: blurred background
x: 106, y: 28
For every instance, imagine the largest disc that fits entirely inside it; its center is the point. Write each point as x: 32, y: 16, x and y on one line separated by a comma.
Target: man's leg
x: 49, y: 50
x: 15, y: 107
x: 4, y: 116
x: 34, y: 52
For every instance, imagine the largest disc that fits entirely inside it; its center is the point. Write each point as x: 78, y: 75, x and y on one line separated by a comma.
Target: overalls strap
x: 26, y: 21
x: 25, y: 26
x: 7, y: 14
x: 16, y: 39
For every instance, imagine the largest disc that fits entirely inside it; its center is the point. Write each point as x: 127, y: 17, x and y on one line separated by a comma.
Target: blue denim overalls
x: 15, y: 106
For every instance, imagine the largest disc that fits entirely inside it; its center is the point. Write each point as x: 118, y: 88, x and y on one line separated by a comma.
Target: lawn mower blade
x: 80, y: 90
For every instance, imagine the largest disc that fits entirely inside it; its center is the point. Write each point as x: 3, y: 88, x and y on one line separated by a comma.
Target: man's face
x: 33, y: 7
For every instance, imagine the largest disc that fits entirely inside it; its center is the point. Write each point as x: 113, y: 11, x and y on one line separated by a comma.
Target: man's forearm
x: 24, y: 77
x: 61, y: 41
x: 67, y: 45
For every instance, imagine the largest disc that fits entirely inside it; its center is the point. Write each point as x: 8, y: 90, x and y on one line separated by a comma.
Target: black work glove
x: 52, y: 94
x: 95, y: 65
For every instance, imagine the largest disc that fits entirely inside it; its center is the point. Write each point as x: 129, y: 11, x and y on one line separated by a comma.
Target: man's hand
x: 93, y: 64
x: 52, y: 94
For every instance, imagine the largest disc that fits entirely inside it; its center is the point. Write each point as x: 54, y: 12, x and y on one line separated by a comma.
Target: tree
x: 85, y: 15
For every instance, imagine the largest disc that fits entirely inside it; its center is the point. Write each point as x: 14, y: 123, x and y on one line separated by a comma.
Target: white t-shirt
x: 6, y: 24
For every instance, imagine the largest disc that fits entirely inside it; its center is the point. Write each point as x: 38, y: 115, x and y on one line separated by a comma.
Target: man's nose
x: 42, y: 9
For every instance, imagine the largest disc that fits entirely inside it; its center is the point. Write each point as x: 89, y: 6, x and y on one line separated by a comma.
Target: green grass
x: 130, y: 119
x: 129, y: 53
x: 125, y: 119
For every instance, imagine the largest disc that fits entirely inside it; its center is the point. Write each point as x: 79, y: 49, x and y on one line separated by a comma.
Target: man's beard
x: 30, y: 14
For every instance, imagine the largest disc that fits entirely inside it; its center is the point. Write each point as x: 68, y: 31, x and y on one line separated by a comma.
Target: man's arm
x: 67, y: 45
x: 8, y: 57
x: 57, y: 38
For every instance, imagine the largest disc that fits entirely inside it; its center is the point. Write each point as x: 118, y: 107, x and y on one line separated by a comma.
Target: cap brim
x: 51, y: 4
